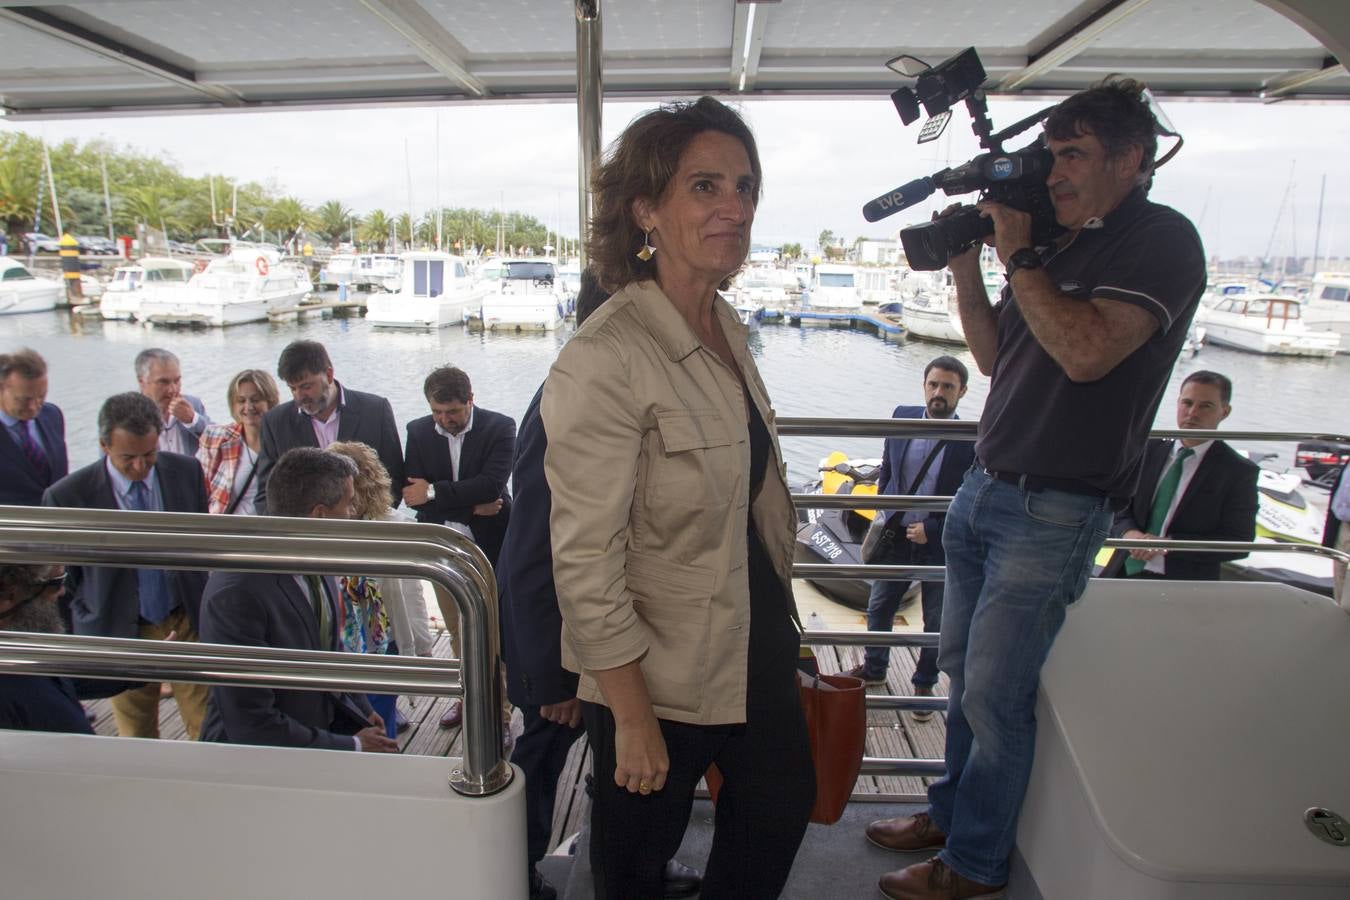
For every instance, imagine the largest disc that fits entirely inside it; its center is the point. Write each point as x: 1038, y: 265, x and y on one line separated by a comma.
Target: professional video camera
x: 1015, y: 179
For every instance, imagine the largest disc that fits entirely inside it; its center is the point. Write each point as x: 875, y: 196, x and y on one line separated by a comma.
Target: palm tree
x: 151, y: 205
x: 376, y: 229
x: 287, y: 215
x: 18, y: 192
x: 332, y: 221
x: 404, y: 230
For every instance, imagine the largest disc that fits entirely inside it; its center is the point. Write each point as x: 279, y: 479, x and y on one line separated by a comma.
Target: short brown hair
x: 641, y: 163
x: 260, y: 380
x: 301, y: 358
x: 25, y: 362
x: 447, y: 384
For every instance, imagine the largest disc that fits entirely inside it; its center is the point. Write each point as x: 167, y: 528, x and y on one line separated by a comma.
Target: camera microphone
x: 903, y: 197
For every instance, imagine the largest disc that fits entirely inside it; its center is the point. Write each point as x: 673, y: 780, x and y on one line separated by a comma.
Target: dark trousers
x: 882, y: 605
x: 541, y: 752
x: 762, y: 810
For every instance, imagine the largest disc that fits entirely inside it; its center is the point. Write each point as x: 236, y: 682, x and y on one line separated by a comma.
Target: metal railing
x: 941, y: 429
x: 283, y: 546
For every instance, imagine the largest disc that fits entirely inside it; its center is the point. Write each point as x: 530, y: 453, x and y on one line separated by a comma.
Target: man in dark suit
x: 42, y: 702
x: 151, y: 604
x: 33, y: 439
x: 324, y: 411
x: 160, y: 377
x: 1189, y: 490
x: 918, y: 466
x: 296, y: 612
x: 459, y: 460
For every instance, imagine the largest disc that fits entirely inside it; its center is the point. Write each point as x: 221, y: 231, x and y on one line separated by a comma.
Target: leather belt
x: 1044, y: 482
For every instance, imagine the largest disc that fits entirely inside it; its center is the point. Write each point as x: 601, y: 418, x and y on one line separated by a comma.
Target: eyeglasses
x: 42, y: 587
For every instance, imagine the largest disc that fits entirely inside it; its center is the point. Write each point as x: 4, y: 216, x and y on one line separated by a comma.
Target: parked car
x: 99, y: 246
x: 37, y: 242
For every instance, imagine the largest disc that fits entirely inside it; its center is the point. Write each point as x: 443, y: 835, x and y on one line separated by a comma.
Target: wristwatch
x: 1026, y: 258
x: 431, y: 492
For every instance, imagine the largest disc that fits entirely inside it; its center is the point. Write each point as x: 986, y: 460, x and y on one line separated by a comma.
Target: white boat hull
x: 507, y: 313
x: 30, y: 296
x: 399, y: 311
x: 210, y: 310
x: 1272, y: 343
x: 937, y: 324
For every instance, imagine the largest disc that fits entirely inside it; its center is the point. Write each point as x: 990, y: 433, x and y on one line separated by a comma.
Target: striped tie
x: 33, y: 450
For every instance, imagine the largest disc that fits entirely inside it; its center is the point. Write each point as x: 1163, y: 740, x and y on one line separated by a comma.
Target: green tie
x: 1162, y: 501
x: 321, y: 613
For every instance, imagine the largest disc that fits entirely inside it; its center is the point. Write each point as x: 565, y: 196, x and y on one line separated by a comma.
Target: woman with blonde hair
x: 229, y: 453
x: 379, y: 615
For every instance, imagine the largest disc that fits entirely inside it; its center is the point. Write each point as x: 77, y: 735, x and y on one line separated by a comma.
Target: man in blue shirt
x: 918, y: 467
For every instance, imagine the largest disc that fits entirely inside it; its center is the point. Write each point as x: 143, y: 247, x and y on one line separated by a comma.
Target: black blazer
x: 1219, y: 505
x: 105, y: 601
x: 367, y: 418
x: 484, y: 467
x: 1333, y: 526
x: 20, y: 484
x: 530, y: 620
x: 253, y: 609
x: 41, y: 703
x: 957, y: 458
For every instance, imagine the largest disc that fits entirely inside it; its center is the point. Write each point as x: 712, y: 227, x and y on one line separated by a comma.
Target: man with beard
x: 323, y: 411
x: 28, y: 597
x: 459, y: 460
x: 1189, y: 490
x: 925, y: 467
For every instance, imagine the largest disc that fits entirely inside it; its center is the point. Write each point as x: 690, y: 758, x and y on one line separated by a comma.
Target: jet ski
x: 835, y: 536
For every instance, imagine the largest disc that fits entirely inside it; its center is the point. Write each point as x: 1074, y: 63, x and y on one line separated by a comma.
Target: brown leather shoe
x: 907, y: 834
x: 934, y: 880
x: 923, y: 715
x: 860, y: 672
x: 454, y: 714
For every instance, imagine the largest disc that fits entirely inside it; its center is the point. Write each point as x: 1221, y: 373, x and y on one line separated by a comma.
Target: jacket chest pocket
x: 695, y: 463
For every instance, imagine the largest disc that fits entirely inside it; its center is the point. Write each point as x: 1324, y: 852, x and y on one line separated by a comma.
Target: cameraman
x: 1079, y: 350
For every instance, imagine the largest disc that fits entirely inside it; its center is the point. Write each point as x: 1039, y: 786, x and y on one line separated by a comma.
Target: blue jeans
x: 1015, y: 561
x: 882, y: 605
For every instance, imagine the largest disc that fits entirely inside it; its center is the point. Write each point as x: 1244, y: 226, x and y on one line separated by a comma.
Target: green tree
x: 286, y: 216
x: 792, y: 251
x: 403, y: 228
x: 826, y: 240
x: 332, y: 221
x: 376, y: 229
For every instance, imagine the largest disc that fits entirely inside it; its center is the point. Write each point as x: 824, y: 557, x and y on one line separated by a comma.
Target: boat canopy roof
x: 90, y: 57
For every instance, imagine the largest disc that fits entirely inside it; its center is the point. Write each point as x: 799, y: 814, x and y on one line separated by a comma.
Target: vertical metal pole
x: 590, y: 93
x: 51, y: 186
x: 107, y: 198
x: 1317, y: 237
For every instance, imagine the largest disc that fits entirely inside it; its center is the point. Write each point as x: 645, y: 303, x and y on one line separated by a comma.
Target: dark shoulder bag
x: 884, y: 533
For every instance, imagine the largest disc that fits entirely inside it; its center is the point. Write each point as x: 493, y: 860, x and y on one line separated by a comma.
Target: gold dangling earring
x: 647, y: 250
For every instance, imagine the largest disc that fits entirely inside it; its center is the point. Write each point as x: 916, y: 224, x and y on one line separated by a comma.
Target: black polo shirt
x: 1038, y: 422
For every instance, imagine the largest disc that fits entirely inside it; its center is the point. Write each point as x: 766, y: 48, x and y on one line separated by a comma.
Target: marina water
x: 810, y: 371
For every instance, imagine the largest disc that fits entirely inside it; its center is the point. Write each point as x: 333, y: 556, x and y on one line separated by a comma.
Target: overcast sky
x: 822, y: 158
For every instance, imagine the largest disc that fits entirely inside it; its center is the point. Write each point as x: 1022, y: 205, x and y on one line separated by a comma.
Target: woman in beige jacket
x: 671, y: 523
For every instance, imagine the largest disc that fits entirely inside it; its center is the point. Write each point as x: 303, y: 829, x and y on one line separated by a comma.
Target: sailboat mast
x: 1317, y: 235
x: 51, y: 186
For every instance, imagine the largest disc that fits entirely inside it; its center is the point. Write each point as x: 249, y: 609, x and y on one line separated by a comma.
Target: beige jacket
x: 648, y: 461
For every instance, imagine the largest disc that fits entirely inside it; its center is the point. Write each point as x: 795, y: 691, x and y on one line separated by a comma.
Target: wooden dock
x: 315, y: 307
x: 890, y: 733
x: 885, y: 325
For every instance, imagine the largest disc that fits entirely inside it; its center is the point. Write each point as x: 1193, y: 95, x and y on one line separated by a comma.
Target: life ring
x: 261, y: 264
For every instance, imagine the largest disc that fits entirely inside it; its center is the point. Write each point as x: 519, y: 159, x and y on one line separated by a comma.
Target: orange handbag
x: 836, y: 720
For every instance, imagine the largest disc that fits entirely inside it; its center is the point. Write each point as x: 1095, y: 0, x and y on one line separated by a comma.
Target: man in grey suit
x: 296, y: 612
x: 323, y: 411
x: 183, y: 418
x: 152, y: 604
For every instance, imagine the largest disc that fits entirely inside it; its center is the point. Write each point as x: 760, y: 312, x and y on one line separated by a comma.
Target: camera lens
x: 928, y: 246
